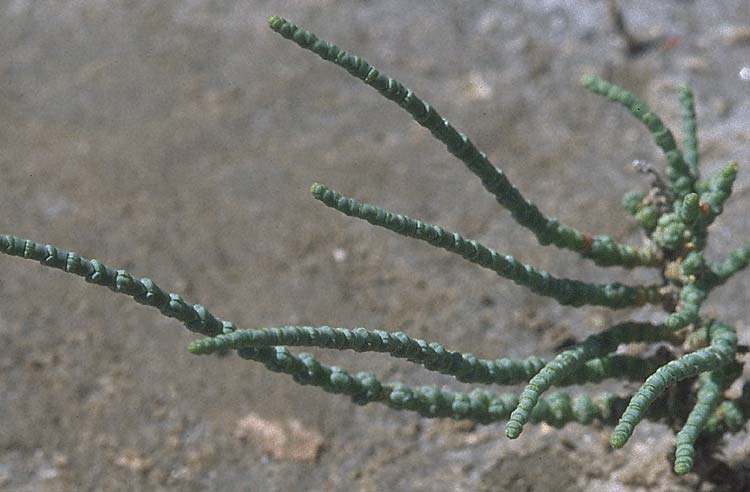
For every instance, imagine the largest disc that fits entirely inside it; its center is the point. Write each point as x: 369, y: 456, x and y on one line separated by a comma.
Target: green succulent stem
x: 717, y: 190
x: 692, y: 296
x: 479, y: 405
x: 690, y: 210
x: 433, y: 356
x: 730, y: 415
x: 565, y: 291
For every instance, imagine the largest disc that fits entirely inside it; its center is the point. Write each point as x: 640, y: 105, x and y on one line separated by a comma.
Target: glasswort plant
x: 675, y: 217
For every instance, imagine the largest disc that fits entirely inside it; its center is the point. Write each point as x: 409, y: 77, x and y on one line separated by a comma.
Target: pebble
x: 289, y: 440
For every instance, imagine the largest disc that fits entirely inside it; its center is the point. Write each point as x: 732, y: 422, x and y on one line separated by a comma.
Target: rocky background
x: 178, y: 140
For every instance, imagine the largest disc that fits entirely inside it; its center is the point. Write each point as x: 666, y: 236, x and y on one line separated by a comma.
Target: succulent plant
x: 675, y: 215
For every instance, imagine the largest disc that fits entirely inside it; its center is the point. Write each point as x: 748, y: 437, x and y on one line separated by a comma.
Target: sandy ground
x: 178, y: 140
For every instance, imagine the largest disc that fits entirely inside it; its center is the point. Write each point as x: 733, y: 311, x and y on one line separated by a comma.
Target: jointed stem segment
x: 737, y: 260
x: 429, y: 401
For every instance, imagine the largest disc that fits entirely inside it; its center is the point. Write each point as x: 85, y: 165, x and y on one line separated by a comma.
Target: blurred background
x: 178, y: 140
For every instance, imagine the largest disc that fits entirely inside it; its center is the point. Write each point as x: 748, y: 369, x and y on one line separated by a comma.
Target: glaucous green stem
x: 692, y: 296
x: 479, y: 405
x: 717, y: 190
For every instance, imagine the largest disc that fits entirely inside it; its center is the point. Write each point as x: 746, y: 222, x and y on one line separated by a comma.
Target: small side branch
x: 716, y: 191
x: 721, y: 271
x: 692, y: 296
x: 721, y: 352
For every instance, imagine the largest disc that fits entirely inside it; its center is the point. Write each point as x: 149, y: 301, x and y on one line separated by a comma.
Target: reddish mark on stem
x: 587, y: 240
